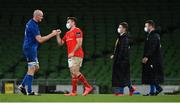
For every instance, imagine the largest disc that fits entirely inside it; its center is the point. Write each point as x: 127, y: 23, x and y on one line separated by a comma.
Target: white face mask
x: 145, y: 29
x: 68, y: 26
x: 119, y: 30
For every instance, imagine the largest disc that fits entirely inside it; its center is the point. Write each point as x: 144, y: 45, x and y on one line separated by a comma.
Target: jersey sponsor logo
x: 68, y: 39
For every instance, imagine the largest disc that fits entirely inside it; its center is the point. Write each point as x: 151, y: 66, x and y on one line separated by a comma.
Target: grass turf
x: 89, y: 98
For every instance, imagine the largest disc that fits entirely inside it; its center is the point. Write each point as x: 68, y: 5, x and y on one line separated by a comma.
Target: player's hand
x: 54, y: 32
x: 112, y: 56
x: 58, y: 31
x: 71, y: 55
x: 144, y: 60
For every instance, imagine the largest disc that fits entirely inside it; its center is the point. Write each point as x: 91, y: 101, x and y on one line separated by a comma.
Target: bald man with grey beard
x: 32, y: 40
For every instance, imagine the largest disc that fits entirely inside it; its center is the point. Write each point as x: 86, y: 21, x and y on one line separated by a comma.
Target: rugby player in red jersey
x: 73, y: 39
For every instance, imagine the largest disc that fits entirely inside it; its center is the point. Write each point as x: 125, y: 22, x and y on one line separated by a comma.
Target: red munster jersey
x: 70, y: 39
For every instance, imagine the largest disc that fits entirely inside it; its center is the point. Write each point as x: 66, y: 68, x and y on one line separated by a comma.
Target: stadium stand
x: 99, y: 23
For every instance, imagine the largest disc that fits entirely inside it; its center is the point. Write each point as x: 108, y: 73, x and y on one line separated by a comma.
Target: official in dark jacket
x: 152, y: 71
x: 121, y: 65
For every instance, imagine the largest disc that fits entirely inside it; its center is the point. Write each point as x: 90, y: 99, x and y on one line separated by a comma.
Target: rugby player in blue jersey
x: 32, y: 39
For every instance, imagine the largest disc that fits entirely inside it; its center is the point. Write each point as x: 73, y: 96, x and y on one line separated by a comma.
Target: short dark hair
x: 73, y: 19
x: 151, y: 22
x: 124, y: 25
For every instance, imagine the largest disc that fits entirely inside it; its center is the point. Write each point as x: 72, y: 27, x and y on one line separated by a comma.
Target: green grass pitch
x: 89, y: 98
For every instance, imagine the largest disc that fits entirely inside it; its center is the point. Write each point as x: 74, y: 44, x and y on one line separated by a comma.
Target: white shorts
x: 75, y: 61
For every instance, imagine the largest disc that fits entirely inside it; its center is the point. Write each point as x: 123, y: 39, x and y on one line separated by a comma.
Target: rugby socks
x: 29, y: 83
x: 24, y: 80
x: 74, y: 84
x: 83, y: 80
x: 152, y: 89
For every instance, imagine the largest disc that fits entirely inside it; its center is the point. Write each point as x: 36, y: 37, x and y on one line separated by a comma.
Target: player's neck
x: 35, y: 20
x: 73, y: 27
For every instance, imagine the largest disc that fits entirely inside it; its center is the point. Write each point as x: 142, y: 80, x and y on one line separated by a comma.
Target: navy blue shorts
x: 31, y: 57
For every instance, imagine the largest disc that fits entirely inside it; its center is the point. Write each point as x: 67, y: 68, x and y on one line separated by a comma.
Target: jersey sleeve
x: 79, y: 34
